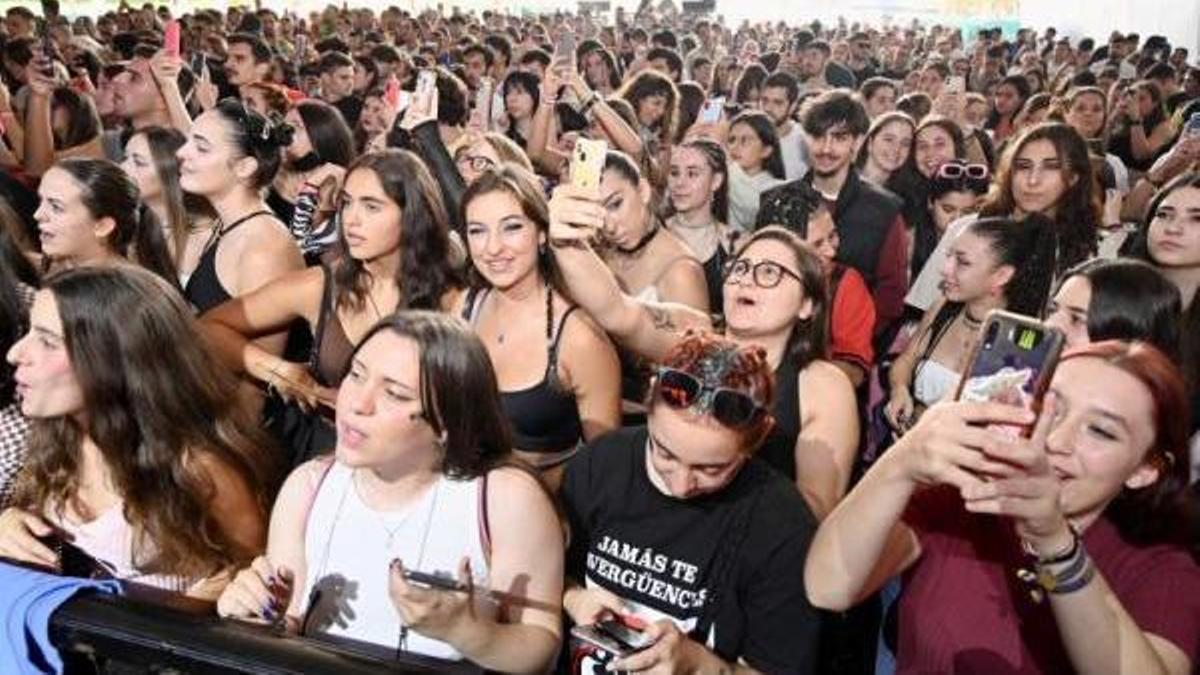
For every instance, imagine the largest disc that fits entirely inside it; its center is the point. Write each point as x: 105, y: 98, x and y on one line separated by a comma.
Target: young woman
x: 1048, y: 543
x: 650, y: 262
x: 92, y: 212
x: 393, y: 253
x: 887, y: 147
x: 775, y: 297
x: 955, y: 191
x: 656, y: 102
x: 231, y: 155
x: 517, y: 301
x: 680, y: 527
x: 1118, y: 299
x: 994, y: 263
x: 151, y: 161
x: 322, y: 147
x: 480, y: 152
x: 755, y: 165
x: 1087, y: 113
x: 165, y: 487
x: 521, y: 92
x: 1142, y: 130
x: 1007, y: 100
x: 698, y: 194
x: 418, y: 482
x: 1047, y: 171
x: 1171, y: 245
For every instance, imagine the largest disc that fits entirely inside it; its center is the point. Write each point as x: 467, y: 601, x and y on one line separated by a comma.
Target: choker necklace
x: 970, y: 321
x: 677, y: 222
x: 642, y: 243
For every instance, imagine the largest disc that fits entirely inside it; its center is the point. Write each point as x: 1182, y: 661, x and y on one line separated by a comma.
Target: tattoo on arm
x: 661, y: 318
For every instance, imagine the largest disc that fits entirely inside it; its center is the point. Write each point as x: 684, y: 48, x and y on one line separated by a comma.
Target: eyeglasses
x: 765, y: 273
x: 682, y: 390
x: 476, y: 163
x: 952, y: 170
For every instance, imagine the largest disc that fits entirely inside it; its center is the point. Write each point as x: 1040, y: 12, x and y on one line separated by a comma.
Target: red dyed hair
x: 747, y: 372
x: 1160, y: 511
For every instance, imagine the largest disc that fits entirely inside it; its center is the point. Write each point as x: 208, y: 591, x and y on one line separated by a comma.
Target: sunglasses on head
x: 954, y: 170
x: 682, y: 390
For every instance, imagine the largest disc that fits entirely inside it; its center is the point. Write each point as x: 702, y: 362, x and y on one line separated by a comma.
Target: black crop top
x: 544, y: 417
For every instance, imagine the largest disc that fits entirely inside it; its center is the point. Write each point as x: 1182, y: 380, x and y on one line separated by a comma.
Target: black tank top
x: 779, y: 450
x: 204, y: 290
x: 332, y: 348
x: 544, y: 417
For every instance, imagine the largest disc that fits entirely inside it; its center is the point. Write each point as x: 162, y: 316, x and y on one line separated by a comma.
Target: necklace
x: 969, y: 321
x: 642, y: 243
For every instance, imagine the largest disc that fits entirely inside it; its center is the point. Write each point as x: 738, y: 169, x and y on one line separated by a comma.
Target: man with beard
x: 779, y: 98
x: 142, y: 100
x: 869, y: 224
x: 248, y: 61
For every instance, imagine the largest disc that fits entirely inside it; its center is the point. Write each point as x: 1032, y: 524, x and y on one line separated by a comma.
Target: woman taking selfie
x: 775, y: 298
x: 165, y: 488
x: 393, y: 253
x: 516, y: 302
x: 994, y: 263
x: 1063, y: 549
x: 727, y: 533
x: 419, y: 482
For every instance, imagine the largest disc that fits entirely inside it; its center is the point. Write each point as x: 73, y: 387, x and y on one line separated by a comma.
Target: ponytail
x: 1030, y: 247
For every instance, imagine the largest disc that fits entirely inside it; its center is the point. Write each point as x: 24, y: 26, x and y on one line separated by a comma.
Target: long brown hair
x: 154, y: 405
x: 426, y: 272
x: 181, y: 207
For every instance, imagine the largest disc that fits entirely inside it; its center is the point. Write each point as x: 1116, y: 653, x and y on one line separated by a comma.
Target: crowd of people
x: 319, y: 319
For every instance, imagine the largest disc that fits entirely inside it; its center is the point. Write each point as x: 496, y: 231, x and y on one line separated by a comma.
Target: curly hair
x: 154, y: 405
x: 653, y: 83
x: 426, y: 271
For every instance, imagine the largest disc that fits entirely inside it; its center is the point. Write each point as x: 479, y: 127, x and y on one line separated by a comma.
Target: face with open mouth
x: 46, y: 382
x: 66, y: 229
x: 752, y: 309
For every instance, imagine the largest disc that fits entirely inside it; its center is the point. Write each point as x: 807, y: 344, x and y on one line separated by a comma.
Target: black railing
x: 108, y: 634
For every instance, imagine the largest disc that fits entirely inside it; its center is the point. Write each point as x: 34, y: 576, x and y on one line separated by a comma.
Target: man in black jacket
x: 872, y: 231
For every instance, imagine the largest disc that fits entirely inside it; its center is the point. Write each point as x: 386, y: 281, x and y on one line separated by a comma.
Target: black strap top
x: 332, y: 348
x: 544, y: 417
x: 779, y: 450
x: 204, y: 289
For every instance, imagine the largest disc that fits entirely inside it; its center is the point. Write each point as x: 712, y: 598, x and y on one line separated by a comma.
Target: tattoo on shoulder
x: 661, y: 318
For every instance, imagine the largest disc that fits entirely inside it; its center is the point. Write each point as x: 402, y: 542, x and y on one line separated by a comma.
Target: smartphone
x: 391, y: 94
x: 171, y: 38
x: 426, y: 83
x: 956, y: 84
x: 1012, y: 363
x: 301, y: 47
x: 564, y: 49
x: 483, y: 104
x: 601, y: 640
x: 631, y: 637
x: 436, y: 581
x: 587, y: 163
x: 712, y: 110
x: 1192, y: 128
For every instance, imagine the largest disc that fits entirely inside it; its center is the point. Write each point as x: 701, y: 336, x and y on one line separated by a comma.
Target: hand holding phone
x: 391, y: 94
x: 712, y: 110
x: 1192, y: 128
x: 587, y: 163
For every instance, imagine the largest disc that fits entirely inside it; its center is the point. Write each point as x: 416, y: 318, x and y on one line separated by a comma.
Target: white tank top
x: 933, y: 381
x: 348, y: 547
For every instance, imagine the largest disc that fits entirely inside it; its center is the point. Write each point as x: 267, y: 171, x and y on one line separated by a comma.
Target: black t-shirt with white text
x: 740, y: 550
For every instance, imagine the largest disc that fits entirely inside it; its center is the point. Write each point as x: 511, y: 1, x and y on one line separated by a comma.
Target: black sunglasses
x: 682, y: 390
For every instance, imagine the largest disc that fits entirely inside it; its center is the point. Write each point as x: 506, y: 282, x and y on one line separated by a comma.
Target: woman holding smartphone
x: 421, y: 481
x: 1066, y: 548
x: 166, y: 487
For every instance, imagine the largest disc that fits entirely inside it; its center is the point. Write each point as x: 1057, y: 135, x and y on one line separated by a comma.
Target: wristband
x: 1057, y: 558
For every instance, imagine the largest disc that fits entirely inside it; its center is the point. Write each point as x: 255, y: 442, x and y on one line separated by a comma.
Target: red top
x: 852, y: 319
x: 963, y: 609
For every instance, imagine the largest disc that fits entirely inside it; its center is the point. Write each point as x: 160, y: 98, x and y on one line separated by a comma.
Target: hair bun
x: 279, y: 131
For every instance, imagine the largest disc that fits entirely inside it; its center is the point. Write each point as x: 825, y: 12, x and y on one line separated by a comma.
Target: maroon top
x: 963, y: 610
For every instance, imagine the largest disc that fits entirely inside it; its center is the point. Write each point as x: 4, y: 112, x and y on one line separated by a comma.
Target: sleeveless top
x: 332, y: 348
x: 544, y: 418
x: 348, y: 547
x: 779, y: 450
x: 933, y: 380
x: 109, y: 539
x: 204, y: 289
